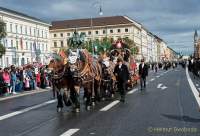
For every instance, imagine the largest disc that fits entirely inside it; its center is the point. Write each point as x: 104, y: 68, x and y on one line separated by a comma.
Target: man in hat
x: 122, y: 75
x: 143, y: 73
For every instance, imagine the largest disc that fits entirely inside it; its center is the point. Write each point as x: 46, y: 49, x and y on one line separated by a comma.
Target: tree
x: 131, y: 45
x: 2, y: 35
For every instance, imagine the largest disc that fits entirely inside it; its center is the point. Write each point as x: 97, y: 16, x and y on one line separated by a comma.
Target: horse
x: 61, y: 82
x: 108, y: 78
x: 86, y: 73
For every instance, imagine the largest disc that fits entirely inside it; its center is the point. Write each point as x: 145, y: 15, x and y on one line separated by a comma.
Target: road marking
x: 159, y: 85
x: 152, y: 79
x: 132, y: 91
x: 70, y: 132
x: 178, y: 83
x: 193, y: 88
x: 109, y: 106
x: 197, y: 85
x: 157, y: 76
x: 164, y: 87
x: 26, y: 110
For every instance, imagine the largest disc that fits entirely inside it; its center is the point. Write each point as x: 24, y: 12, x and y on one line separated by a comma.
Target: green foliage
x: 2, y: 50
x: 2, y: 30
x: 2, y: 35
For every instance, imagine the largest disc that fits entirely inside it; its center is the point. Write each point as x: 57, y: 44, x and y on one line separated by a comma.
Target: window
x: 97, y: 32
x: 104, y: 31
x: 42, y: 47
x: 61, y: 44
x: 30, y: 31
x: 55, y: 35
x: 45, y: 34
x: 55, y: 44
x: 46, y: 47
x: 20, y: 29
x: 26, y: 45
x: 38, y: 33
x: 34, y: 32
x: 16, y: 28
x: 28, y: 60
x: 111, y: 31
x: 61, y: 34
x: 89, y: 33
x: 68, y: 34
x: 17, y: 44
x: 118, y: 30
x: 126, y: 30
x: 26, y: 30
x: 11, y: 42
x: 11, y: 28
x: 31, y: 46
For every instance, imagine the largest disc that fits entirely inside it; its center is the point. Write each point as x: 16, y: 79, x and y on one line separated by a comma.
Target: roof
x: 101, y: 21
x: 21, y: 14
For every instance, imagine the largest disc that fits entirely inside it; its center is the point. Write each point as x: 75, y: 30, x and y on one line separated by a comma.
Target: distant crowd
x: 17, y: 79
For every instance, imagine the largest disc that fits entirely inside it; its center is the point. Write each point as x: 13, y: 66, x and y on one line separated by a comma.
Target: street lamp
x: 91, y: 23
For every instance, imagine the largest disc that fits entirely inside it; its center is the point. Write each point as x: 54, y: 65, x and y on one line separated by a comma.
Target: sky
x: 172, y: 20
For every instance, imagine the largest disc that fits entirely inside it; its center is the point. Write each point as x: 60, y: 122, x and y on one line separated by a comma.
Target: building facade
x: 111, y: 27
x: 196, y: 45
x: 27, y: 39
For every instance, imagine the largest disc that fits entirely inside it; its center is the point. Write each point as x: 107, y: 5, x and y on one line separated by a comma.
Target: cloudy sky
x: 172, y: 20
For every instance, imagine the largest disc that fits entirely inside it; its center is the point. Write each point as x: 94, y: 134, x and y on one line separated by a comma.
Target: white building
x: 27, y: 39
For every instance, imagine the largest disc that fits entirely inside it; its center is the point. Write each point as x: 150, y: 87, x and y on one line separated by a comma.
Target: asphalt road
x: 167, y: 107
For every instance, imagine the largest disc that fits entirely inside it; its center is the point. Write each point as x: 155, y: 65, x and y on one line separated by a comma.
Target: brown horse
x: 60, y: 76
x: 86, y: 73
x: 108, y: 85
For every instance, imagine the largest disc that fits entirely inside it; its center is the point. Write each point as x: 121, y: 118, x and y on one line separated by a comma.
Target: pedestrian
x: 6, y: 79
x: 122, y: 75
x: 13, y: 79
x: 2, y: 87
x: 143, y: 73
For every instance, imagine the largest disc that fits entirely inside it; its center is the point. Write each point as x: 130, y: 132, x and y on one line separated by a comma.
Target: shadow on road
x: 182, y: 118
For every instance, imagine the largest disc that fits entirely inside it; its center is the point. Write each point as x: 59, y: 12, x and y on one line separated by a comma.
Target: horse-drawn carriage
x: 77, y: 68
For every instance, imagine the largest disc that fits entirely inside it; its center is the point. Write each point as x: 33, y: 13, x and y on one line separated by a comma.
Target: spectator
x: 1, y: 82
x: 6, y: 79
x: 13, y: 79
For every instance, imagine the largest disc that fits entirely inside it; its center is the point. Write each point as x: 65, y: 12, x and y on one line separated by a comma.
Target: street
x: 167, y: 107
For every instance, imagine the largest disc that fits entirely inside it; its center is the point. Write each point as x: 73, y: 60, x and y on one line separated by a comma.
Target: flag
x: 62, y: 54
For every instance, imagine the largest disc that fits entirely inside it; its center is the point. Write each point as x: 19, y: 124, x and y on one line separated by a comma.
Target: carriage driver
x: 122, y: 75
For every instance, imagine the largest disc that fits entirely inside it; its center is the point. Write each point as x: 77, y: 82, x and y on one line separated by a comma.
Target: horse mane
x: 85, y: 56
x: 57, y: 57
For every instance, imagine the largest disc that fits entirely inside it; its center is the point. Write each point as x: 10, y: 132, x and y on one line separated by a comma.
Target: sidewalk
x: 24, y: 93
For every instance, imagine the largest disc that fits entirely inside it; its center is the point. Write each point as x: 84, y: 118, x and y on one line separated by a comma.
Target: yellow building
x: 111, y: 27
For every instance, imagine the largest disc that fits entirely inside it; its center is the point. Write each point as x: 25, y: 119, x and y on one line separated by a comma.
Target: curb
x: 25, y: 93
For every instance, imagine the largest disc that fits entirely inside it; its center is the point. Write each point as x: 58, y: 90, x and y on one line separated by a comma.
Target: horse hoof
x: 59, y: 109
x: 93, y: 103
x: 77, y: 110
x: 88, y: 108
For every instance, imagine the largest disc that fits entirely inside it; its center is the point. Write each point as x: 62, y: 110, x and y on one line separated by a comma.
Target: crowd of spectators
x: 17, y: 79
